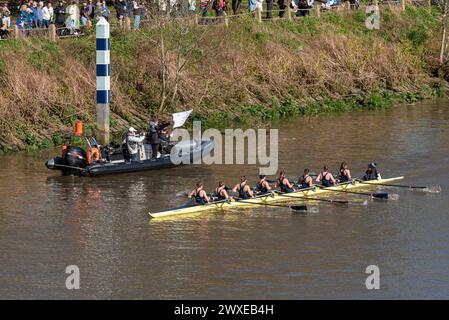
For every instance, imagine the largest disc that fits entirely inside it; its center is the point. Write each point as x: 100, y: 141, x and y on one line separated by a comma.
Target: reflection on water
x: 101, y: 224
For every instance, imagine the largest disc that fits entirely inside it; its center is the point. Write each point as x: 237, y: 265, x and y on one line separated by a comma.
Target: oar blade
x: 382, y: 195
x: 299, y: 207
x: 431, y: 189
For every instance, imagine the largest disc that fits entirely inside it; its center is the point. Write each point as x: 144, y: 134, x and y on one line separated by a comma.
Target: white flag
x: 180, y: 118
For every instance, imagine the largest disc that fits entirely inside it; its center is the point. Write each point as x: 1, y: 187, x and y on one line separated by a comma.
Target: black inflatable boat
x: 113, y: 159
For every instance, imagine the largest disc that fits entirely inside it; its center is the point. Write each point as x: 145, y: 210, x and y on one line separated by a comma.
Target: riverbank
x: 246, y: 73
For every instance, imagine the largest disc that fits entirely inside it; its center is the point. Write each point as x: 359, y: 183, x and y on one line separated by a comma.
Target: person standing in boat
x: 305, y: 181
x: 221, y: 192
x: 326, y: 178
x: 134, y: 142
x: 153, y: 137
x: 199, y: 194
x: 371, y: 173
x: 263, y: 186
x: 283, y: 183
x: 243, y: 189
x: 345, y: 174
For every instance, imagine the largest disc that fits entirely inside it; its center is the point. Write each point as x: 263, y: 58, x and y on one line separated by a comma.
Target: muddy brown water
x: 48, y: 222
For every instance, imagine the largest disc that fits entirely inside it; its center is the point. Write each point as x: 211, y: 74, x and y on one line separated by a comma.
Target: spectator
x: 120, y: 8
x: 269, y: 9
x: 104, y: 10
x: 6, y: 15
x: 59, y: 11
x: 34, y: 18
x: 236, y: 6
x: 192, y: 5
x: 47, y: 15
x: 39, y: 15
x: 303, y: 7
x: 282, y: 6
x: 3, y: 27
x: 84, y: 16
x: 73, y: 12
x: 24, y: 21
x: 254, y: 4
x: 90, y: 10
x: 218, y: 6
x: 138, y: 13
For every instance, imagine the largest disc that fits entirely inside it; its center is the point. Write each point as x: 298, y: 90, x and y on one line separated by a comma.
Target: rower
x: 263, y: 186
x: 199, y: 194
x: 305, y: 181
x: 243, y: 189
x: 371, y: 173
x: 221, y: 192
x: 345, y: 174
x: 283, y: 183
x: 326, y: 178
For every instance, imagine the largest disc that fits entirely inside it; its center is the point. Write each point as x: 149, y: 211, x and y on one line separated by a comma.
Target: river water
x: 48, y: 222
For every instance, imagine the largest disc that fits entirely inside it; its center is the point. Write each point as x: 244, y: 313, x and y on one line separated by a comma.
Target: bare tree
x: 178, y: 39
x: 444, y: 7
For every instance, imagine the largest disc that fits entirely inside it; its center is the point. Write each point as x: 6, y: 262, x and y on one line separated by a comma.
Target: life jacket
x: 242, y: 193
x: 324, y: 181
x: 283, y: 186
x: 199, y: 199
x: 303, y: 182
x: 261, y: 188
x: 343, y: 176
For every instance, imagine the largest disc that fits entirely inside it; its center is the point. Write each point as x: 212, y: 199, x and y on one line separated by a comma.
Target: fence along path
x: 53, y: 32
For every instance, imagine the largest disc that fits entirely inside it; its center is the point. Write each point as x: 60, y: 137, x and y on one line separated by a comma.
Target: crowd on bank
x: 75, y: 15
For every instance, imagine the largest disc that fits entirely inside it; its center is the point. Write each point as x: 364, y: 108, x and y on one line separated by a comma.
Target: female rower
x: 326, y: 178
x: 345, y: 174
x: 199, y: 194
x: 372, y: 173
x: 243, y: 189
x: 221, y: 192
x: 263, y: 186
x: 283, y: 183
x: 305, y: 181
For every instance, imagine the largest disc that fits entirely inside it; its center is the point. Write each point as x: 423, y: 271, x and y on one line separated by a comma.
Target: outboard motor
x: 74, y: 157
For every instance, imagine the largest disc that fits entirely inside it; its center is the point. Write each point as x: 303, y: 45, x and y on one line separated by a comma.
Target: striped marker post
x: 103, y: 80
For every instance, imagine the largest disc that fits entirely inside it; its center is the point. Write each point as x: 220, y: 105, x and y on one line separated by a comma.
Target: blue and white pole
x: 103, y: 80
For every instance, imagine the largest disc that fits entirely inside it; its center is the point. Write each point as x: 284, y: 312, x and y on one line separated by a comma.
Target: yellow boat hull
x: 301, y: 195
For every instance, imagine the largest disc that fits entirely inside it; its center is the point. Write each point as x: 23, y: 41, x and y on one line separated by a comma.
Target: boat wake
x: 431, y: 189
x: 393, y: 196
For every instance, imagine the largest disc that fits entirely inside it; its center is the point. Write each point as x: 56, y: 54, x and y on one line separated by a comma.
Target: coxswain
x: 283, y: 183
x: 221, y: 192
x: 345, y: 174
x: 243, y: 189
x: 199, y: 194
x: 134, y: 142
x: 263, y: 186
x: 305, y: 181
x: 371, y: 173
x: 326, y: 178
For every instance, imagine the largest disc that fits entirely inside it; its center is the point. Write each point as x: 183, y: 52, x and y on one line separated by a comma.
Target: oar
x: 430, y: 189
x: 316, y: 199
x: 295, y: 207
x: 377, y: 195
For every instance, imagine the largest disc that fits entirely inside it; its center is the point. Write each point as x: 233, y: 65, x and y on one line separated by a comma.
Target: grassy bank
x: 245, y: 73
